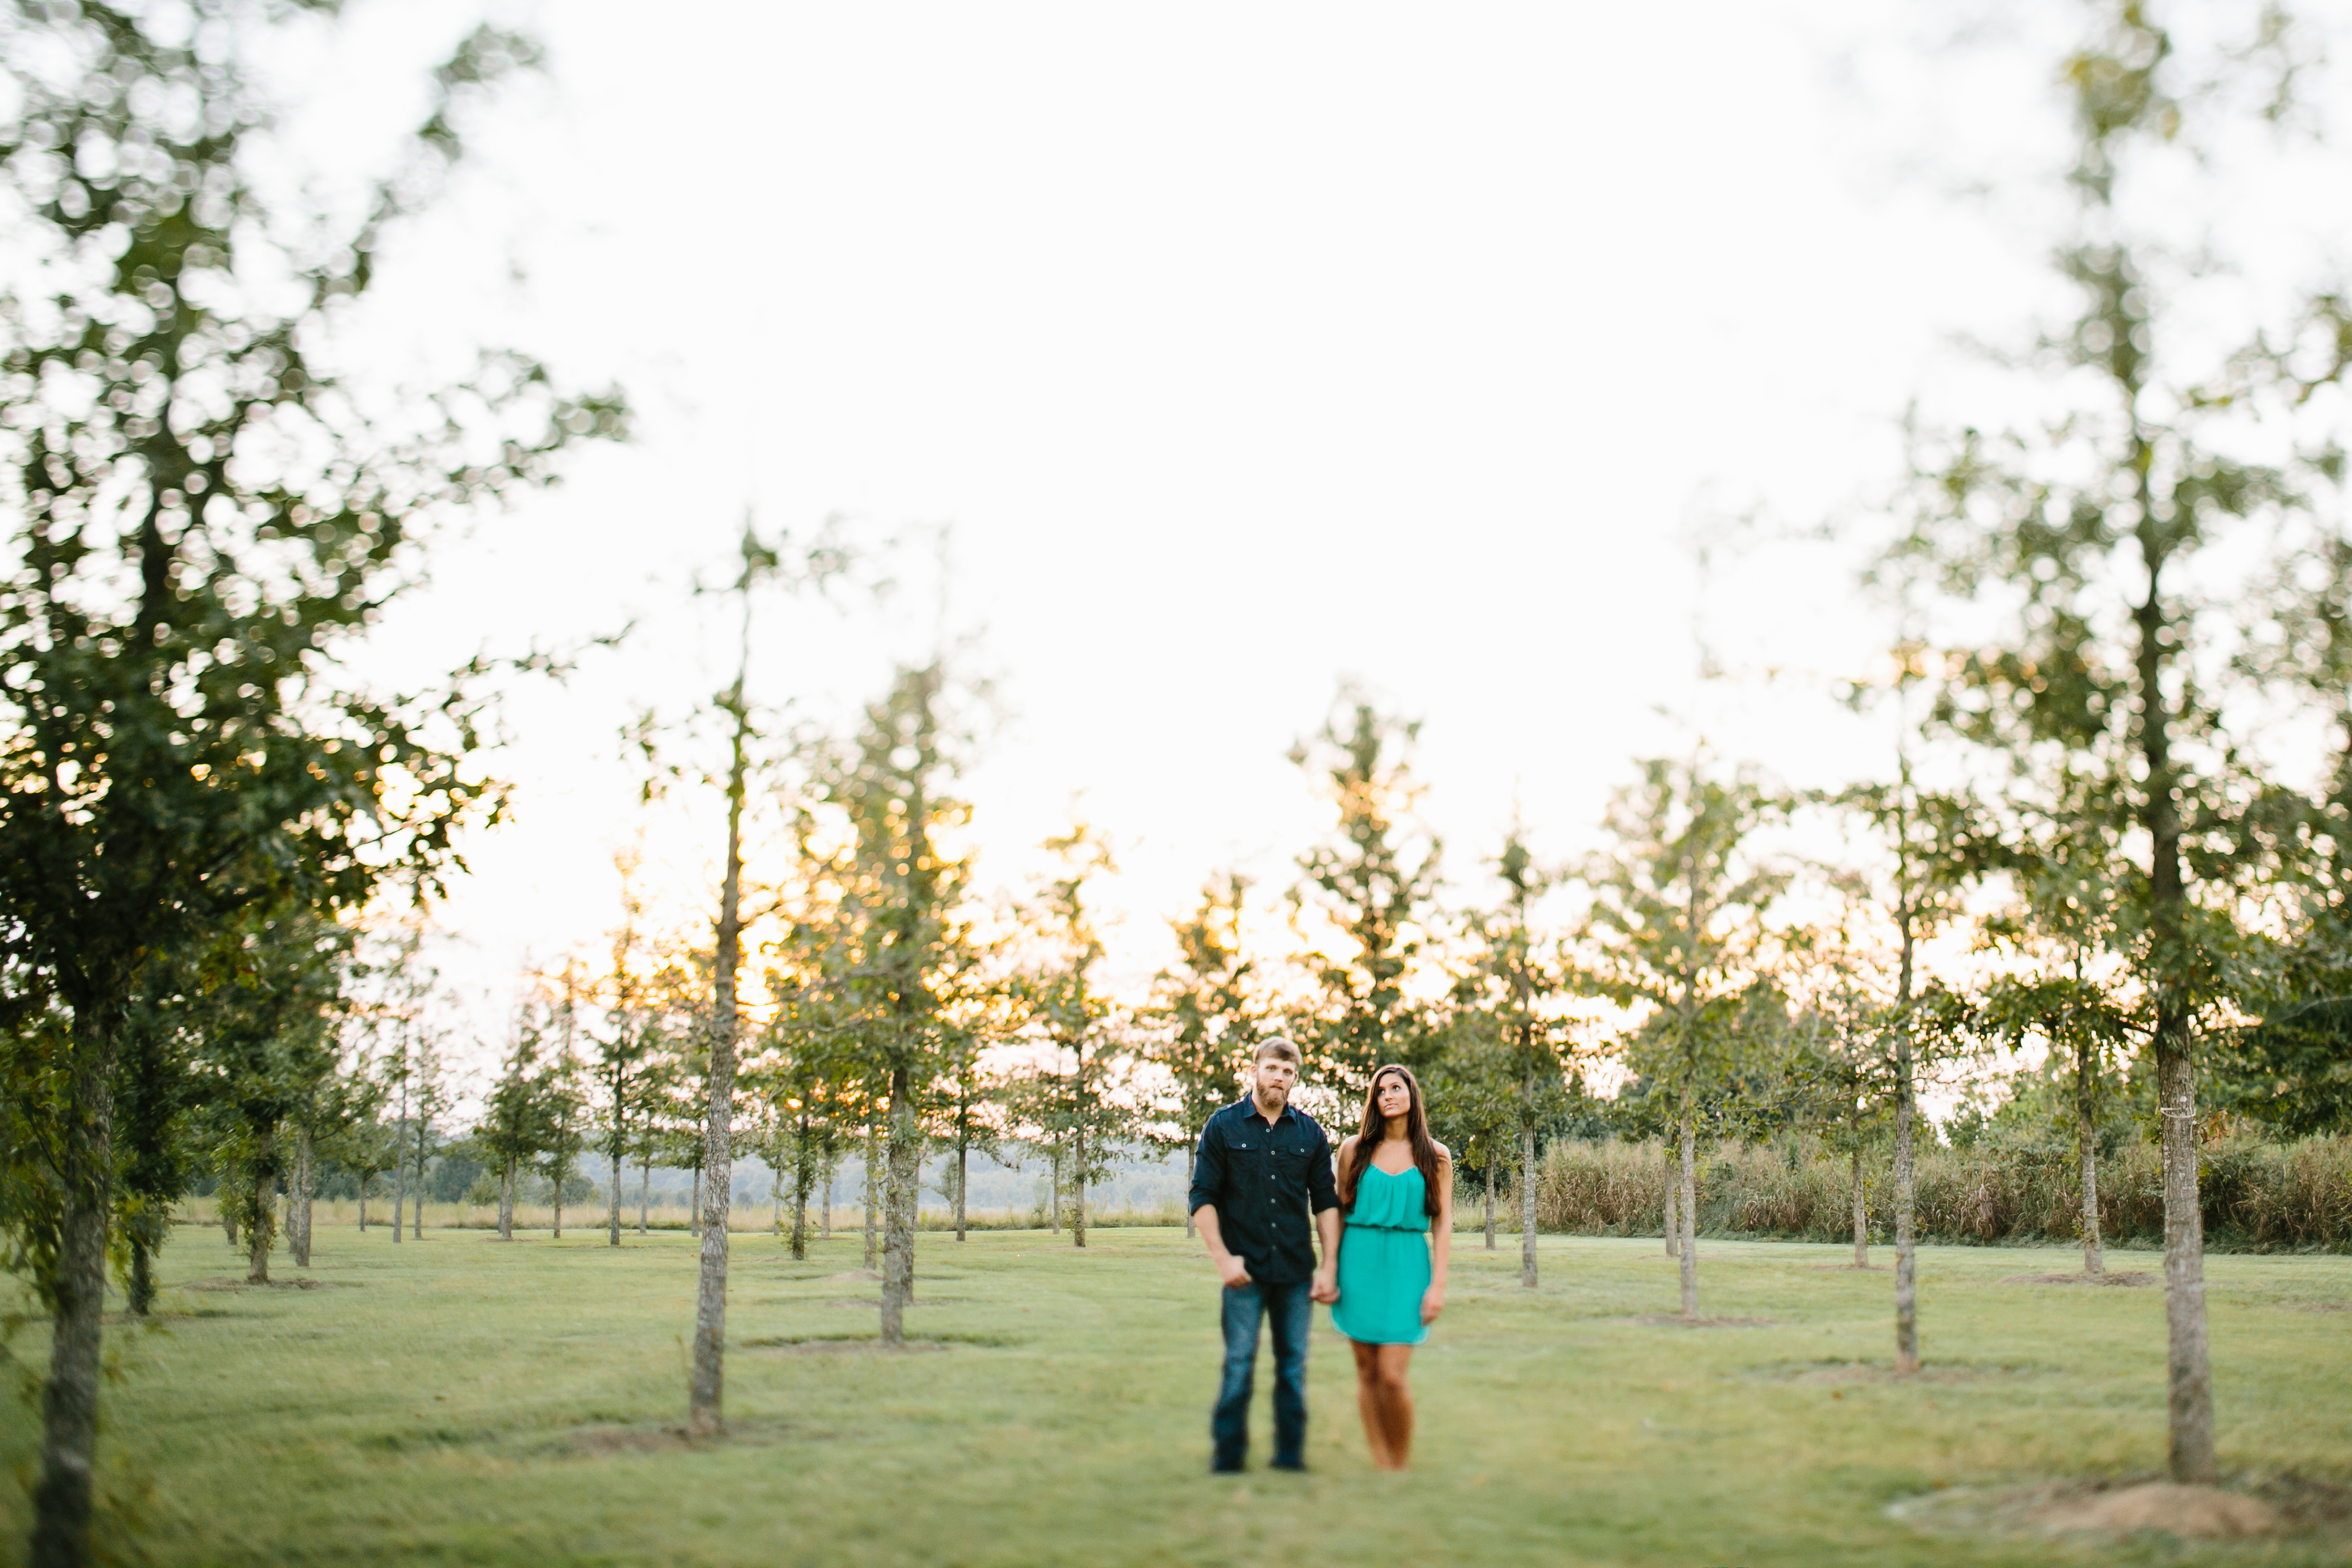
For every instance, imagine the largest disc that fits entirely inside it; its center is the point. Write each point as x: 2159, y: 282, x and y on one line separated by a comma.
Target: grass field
x: 463, y: 1400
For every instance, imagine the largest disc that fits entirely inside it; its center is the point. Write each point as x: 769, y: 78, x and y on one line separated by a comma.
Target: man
x: 1262, y: 1191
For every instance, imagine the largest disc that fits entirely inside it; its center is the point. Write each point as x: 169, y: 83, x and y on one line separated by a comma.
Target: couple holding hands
x: 1265, y: 1187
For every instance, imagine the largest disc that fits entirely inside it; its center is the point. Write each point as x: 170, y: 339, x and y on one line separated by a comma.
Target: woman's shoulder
x: 1444, y: 1155
x: 1348, y: 1143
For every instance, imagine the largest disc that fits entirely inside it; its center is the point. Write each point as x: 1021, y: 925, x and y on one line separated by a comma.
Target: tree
x: 1519, y: 1044
x: 268, y: 1042
x: 1209, y: 1021
x: 627, y: 1046
x: 205, y: 514
x: 900, y: 960
x: 1373, y: 883
x: 518, y: 1121
x: 2098, y: 537
x: 760, y: 562
x: 1676, y: 931
x: 1075, y: 1019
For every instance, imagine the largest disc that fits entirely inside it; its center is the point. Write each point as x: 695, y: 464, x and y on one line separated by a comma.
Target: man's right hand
x: 1232, y: 1270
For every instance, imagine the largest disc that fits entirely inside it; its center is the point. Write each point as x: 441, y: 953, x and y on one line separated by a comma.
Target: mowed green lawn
x: 463, y: 1400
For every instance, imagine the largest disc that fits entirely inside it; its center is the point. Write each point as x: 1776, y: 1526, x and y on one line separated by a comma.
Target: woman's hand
x: 1432, y: 1301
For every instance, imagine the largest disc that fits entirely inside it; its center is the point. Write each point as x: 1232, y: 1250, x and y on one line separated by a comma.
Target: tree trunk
x: 873, y: 1191
x: 694, y: 1204
x: 2188, y: 1367
x: 417, y: 1214
x: 1528, y: 1207
x: 1688, y: 1202
x: 963, y: 1175
x: 613, y: 1216
x: 1490, y: 1203
x: 1053, y: 1208
x: 645, y: 1189
x: 1906, y: 1249
x: 2087, y: 1138
x: 506, y: 1202
x: 825, y: 1210
x: 1861, y: 1214
x: 706, y: 1387
x: 224, y: 1202
x: 803, y: 1172
x: 1673, y: 1225
x: 305, y: 1173
x: 1078, y: 1188
x: 898, y: 1240
x: 143, y: 1277
x: 365, y: 1180
x: 260, y: 1214
x: 62, y: 1498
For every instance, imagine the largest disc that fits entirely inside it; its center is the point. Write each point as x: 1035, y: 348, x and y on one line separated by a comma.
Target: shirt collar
x: 1247, y: 1106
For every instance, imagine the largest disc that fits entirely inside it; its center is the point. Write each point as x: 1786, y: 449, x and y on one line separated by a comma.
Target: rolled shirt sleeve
x: 1322, y: 1191
x: 1208, y: 1168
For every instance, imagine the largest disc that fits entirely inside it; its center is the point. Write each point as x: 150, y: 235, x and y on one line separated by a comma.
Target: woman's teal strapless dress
x: 1384, y: 1261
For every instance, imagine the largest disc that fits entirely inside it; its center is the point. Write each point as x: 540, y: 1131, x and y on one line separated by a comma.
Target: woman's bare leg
x: 1370, y: 1403
x: 1396, y: 1401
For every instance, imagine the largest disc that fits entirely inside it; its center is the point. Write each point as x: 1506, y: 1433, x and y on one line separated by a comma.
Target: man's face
x: 1276, y: 1079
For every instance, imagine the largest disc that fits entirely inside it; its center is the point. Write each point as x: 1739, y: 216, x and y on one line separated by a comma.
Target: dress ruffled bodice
x: 1390, y: 1200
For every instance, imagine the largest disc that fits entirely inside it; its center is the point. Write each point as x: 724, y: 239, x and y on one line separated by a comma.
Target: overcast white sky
x: 1241, y: 348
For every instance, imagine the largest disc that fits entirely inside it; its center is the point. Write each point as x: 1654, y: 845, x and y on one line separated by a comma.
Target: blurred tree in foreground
x: 202, y: 515
x: 2160, y: 481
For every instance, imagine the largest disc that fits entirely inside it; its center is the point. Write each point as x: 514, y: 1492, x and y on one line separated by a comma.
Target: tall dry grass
x: 2258, y: 1196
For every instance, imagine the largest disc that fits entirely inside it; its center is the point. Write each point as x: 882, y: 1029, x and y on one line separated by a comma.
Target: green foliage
x: 1375, y: 880
x: 1209, y: 1017
x: 1676, y: 932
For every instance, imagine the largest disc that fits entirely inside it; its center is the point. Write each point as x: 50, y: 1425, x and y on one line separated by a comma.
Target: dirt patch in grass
x: 1848, y: 1372
x: 603, y: 1441
x: 232, y: 1282
x: 2122, y: 1508
x: 844, y: 1347
x: 854, y: 1277
x: 1671, y: 1320
x: 1844, y: 1268
x: 2126, y: 1280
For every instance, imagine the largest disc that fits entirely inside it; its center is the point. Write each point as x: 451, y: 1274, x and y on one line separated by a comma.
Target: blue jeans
x: 1291, y: 1309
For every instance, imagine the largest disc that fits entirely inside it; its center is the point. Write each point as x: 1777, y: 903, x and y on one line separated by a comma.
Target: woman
x: 1394, y: 1180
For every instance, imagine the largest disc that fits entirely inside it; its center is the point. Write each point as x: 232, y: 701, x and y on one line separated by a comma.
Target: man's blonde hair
x: 1278, y: 1047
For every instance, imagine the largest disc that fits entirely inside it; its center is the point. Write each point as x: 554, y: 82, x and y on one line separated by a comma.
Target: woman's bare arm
x: 1440, y: 1238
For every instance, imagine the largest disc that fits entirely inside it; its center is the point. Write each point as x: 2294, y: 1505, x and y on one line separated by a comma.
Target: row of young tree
x: 2104, y: 621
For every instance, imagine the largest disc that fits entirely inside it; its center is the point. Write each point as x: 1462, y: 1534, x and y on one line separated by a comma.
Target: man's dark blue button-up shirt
x: 1268, y: 1182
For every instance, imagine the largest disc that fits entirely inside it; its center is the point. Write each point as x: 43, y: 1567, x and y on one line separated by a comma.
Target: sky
x: 1494, y: 359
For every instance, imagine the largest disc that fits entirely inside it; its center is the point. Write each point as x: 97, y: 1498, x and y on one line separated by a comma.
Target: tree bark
x: 1688, y: 1257
x: 898, y: 1240
x: 1528, y: 1207
x: 2188, y: 1367
x: 1906, y: 1251
x: 2086, y: 1139
x: 825, y: 1210
x: 1079, y: 1179
x: 612, y: 1218
x: 645, y: 1189
x: 1861, y: 1214
x: 1672, y: 1224
x: 873, y: 1192
x: 506, y: 1202
x: 62, y: 1498
x: 416, y: 1215
x: 706, y: 1387
x: 963, y: 1175
x: 260, y: 1214
x: 1490, y: 1203
x: 304, y: 1179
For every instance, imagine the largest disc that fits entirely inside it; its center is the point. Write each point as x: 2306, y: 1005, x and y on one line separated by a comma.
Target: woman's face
x: 1392, y: 1097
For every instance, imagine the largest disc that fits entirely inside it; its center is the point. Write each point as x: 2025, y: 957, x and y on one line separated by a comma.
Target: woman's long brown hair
x: 1375, y: 1129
